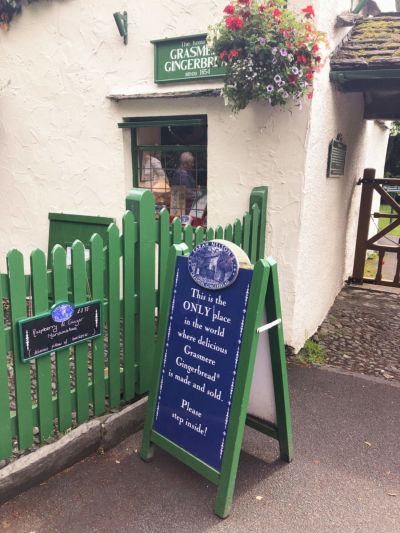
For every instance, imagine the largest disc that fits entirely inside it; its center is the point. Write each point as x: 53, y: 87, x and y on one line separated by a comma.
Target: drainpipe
x: 361, y: 4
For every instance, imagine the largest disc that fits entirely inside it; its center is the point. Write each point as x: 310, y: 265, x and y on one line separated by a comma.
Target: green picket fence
x: 57, y: 391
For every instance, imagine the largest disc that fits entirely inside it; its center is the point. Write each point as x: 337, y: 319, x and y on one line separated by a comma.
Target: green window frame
x: 167, y: 150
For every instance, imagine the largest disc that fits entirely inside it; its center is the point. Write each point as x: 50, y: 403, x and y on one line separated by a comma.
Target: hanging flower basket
x: 270, y: 52
x: 10, y: 8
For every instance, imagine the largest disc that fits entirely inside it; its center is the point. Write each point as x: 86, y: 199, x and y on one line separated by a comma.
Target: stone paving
x: 362, y: 332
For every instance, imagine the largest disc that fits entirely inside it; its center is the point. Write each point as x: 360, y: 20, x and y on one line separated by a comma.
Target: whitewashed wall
x: 330, y: 209
x: 61, y: 150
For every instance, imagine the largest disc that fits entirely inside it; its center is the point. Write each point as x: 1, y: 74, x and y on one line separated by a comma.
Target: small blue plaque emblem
x: 62, y: 312
x: 213, y: 265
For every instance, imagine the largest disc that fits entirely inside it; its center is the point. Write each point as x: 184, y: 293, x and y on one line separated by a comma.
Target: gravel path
x: 362, y: 332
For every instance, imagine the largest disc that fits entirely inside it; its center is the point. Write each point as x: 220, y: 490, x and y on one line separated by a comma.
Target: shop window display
x: 172, y: 163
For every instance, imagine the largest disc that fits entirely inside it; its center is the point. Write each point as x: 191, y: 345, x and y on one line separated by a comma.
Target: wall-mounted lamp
x: 121, y: 20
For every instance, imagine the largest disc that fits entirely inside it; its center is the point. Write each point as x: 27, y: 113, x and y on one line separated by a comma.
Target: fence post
x: 363, y: 225
x: 259, y: 196
x: 141, y: 203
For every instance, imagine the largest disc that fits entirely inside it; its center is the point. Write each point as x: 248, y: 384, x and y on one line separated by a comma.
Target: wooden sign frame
x: 264, y: 291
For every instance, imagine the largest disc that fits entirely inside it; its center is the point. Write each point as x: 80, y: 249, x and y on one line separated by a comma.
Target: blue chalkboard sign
x: 199, y: 369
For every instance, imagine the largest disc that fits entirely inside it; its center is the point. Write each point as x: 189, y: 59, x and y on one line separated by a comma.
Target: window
x: 169, y: 157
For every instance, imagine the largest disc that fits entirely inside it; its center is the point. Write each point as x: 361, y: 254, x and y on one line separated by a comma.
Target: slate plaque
x: 201, y: 354
x: 64, y: 326
x: 336, y: 158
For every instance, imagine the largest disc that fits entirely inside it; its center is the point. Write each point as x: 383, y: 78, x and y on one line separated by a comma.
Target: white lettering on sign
x: 188, y: 58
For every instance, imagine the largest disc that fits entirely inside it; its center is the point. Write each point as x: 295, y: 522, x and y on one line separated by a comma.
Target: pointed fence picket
x: 58, y: 391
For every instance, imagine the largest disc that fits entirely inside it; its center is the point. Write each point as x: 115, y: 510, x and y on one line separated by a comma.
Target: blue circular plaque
x: 62, y: 312
x: 213, y: 265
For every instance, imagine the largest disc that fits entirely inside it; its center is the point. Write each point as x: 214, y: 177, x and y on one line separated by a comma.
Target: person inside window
x: 153, y: 177
x: 183, y: 175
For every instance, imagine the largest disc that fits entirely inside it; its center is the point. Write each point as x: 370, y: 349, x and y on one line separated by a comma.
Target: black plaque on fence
x: 336, y: 158
x: 63, y: 326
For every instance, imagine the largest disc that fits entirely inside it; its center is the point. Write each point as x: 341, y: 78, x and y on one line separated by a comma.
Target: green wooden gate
x: 58, y: 391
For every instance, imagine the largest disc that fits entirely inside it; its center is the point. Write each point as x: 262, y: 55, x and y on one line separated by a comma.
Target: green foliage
x: 10, y: 8
x: 395, y: 128
x: 312, y: 353
x: 270, y: 52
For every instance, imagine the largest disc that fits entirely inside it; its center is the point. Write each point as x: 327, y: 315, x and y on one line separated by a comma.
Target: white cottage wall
x: 61, y: 149
x: 331, y: 205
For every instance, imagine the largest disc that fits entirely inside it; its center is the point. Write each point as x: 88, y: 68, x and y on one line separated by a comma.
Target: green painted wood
x: 209, y: 234
x: 198, y: 235
x: 129, y: 240
x: 259, y: 196
x: 255, y: 220
x: 15, y: 264
x: 5, y: 420
x: 163, y: 249
x: 279, y: 367
x: 80, y: 350
x: 228, y: 233
x: 141, y: 203
x: 237, y: 232
x: 146, y: 451
x: 40, y: 302
x: 60, y: 292
x: 185, y: 457
x: 113, y: 315
x: 241, y: 392
x: 176, y: 228
x: 219, y: 232
x: 188, y: 237
x: 246, y: 233
x: 97, y: 288
x: 262, y: 427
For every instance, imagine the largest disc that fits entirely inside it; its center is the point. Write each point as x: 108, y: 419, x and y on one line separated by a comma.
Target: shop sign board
x: 206, y: 352
x: 65, y: 325
x: 184, y: 59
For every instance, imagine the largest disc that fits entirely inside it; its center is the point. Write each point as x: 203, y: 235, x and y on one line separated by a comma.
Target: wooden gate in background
x: 381, y: 242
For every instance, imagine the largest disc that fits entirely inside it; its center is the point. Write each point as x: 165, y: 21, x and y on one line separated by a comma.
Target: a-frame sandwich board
x: 209, y: 444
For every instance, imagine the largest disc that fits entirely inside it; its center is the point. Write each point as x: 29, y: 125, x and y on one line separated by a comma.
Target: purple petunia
x: 262, y: 40
x: 283, y: 52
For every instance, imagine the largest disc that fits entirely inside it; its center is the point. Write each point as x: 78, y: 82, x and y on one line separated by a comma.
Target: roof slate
x: 372, y: 44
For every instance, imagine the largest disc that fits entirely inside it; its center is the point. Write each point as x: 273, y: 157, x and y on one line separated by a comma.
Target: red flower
x: 310, y: 95
x: 310, y: 73
x: 277, y: 13
x: 315, y: 48
x: 222, y: 54
x: 233, y: 53
x: 246, y: 2
x: 301, y: 58
x: 292, y: 78
x: 229, y: 9
x: 309, y: 11
x: 262, y: 8
x: 234, y: 23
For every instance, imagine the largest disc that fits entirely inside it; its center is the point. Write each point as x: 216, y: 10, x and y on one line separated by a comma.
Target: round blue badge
x: 62, y: 312
x: 213, y: 265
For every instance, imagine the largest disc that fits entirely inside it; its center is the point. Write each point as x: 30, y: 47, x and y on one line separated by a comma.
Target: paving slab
x: 345, y: 476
